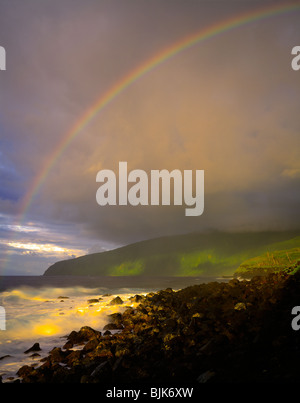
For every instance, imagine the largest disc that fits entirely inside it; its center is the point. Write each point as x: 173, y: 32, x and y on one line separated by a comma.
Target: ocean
x: 44, y: 310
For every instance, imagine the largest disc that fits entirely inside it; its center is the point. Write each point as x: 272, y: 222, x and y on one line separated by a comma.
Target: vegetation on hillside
x: 286, y: 260
x: 213, y: 254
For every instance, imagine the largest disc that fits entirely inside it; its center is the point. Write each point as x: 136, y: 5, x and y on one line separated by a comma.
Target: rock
x: 85, y: 333
x: 116, y: 301
x: 61, y: 297
x: 91, y: 345
x: 199, y: 315
x: 35, y: 347
x: 57, y: 355
x: 206, y: 376
x: 169, y: 325
x: 5, y: 356
x: 234, y: 282
x: 93, y: 301
x: 103, y: 352
x: 68, y: 345
x: 73, y: 358
x: 136, y: 298
x: 116, y: 318
x: 240, y: 306
x: 25, y: 371
x: 101, y: 370
x: 121, y: 351
x: 117, y: 363
x: 112, y: 326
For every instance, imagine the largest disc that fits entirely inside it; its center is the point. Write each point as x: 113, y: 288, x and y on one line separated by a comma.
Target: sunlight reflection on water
x: 46, y: 316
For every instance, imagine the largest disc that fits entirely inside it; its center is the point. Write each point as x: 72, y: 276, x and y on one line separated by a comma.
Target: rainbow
x: 137, y: 73
x: 140, y: 71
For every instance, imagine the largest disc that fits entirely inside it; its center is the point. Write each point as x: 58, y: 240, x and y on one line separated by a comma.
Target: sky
x: 228, y: 105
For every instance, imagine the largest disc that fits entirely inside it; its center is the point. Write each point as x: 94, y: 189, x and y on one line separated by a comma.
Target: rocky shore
x: 239, y: 331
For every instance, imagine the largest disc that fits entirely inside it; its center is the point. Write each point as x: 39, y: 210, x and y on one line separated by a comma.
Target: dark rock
x: 116, y: 318
x: 136, y: 298
x: 116, y: 301
x: 5, y: 356
x: 35, y: 347
x: 205, y: 377
x: 35, y: 355
x: 73, y: 358
x: 68, y: 345
x: 102, y: 371
x: 91, y: 345
x: 85, y: 333
x: 57, y: 355
x: 25, y: 371
x: 240, y: 306
x: 112, y: 326
x: 93, y: 301
x: 169, y: 324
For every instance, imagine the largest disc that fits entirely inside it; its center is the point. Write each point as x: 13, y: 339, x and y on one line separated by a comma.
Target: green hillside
x: 215, y: 253
x: 287, y: 260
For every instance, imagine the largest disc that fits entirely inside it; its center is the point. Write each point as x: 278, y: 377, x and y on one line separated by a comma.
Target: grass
x: 287, y: 260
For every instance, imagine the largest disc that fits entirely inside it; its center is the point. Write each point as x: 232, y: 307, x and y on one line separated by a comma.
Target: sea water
x: 45, y: 310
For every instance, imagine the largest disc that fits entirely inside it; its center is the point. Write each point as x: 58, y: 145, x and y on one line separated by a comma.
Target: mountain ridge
x: 193, y: 254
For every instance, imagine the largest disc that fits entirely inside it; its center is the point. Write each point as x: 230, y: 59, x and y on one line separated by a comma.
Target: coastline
x: 148, y: 283
x: 218, y: 332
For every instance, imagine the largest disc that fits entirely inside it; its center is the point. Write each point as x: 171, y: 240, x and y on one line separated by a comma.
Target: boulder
x: 116, y: 301
x: 206, y: 376
x: 85, y: 333
x: 57, y: 355
x: 112, y: 326
x: 240, y: 306
x: 35, y: 347
x: 93, y: 301
x: 102, y: 370
x: 136, y: 298
x: 25, y: 371
x: 91, y: 344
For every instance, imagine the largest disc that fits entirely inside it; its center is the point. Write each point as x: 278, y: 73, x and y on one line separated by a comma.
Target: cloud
x: 228, y: 105
x: 291, y: 172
